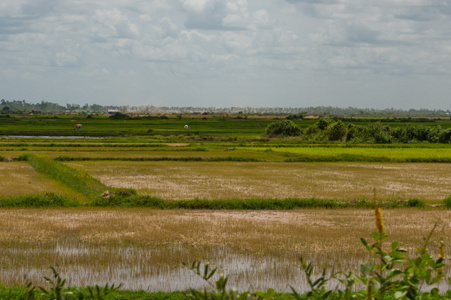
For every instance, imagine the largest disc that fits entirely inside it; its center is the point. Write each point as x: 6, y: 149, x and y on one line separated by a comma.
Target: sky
x: 224, y: 53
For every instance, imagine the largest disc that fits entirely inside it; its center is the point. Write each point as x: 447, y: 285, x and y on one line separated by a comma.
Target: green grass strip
x: 128, y: 200
x: 47, y: 200
x: 248, y: 204
x: 80, y: 181
x: 293, y: 158
x: 161, y: 158
x: 362, y: 158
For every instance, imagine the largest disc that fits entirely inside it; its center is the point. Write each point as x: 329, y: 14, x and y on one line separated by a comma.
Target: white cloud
x: 269, y: 46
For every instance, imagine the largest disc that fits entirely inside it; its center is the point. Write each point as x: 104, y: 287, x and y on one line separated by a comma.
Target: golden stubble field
x: 235, y: 180
x: 19, y: 178
x: 144, y: 248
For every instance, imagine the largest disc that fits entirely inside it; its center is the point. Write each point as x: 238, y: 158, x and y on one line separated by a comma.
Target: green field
x: 216, y: 126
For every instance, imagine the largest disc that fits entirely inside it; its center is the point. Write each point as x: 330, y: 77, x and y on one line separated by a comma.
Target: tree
x: 283, y: 128
x: 337, y: 131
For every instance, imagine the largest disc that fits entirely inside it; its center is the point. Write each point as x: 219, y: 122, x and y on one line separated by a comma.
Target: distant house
x: 35, y: 111
x: 112, y: 111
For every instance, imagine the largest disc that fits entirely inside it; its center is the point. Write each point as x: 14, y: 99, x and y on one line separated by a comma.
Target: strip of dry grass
x: 232, y: 180
x: 144, y: 248
x: 19, y: 178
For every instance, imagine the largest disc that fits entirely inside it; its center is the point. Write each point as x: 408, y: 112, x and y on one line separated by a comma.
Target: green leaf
x: 400, y: 294
x: 365, y: 268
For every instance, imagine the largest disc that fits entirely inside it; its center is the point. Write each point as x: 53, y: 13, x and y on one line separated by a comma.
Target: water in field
x: 145, y: 248
x: 133, y: 268
x: 138, y: 268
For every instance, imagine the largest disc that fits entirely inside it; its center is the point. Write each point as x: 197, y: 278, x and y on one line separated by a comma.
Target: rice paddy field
x: 144, y: 248
x: 176, y: 180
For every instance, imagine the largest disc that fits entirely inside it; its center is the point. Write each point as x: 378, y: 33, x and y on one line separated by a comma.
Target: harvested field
x: 232, y: 180
x: 19, y: 178
x: 144, y: 248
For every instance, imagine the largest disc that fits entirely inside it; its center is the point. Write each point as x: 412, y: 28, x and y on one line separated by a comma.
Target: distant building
x: 36, y: 111
x: 112, y: 111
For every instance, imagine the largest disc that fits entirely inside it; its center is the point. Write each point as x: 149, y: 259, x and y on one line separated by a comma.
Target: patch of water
x: 79, y: 264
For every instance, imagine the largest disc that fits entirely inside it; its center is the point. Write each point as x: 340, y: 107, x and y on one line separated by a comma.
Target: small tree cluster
x: 330, y: 130
x: 283, y: 128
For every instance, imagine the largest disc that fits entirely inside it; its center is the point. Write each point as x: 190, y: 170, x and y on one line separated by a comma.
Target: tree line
x: 332, y: 130
x: 46, y: 106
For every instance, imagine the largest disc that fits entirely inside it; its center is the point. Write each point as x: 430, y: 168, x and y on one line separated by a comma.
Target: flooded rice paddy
x: 145, y: 248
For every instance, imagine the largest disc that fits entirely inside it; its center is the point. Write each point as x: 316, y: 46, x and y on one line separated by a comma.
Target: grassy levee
x: 363, y: 158
x: 47, y: 200
x: 78, y: 180
x: 248, y: 204
x: 165, y: 158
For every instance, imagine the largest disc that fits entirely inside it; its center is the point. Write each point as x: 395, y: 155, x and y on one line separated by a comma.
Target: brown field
x: 229, y: 180
x: 19, y: 178
x: 144, y: 248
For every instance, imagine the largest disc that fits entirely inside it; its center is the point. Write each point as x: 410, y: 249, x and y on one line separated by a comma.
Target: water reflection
x: 159, y: 268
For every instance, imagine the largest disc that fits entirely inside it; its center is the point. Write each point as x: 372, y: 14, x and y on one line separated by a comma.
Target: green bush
x: 119, y: 116
x: 447, y: 202
x: 323, y: 123
x: 445, y: 136
x: 351, y: 133
x: 336, y: 131
x: 415, y: 203
x: 283, y: 128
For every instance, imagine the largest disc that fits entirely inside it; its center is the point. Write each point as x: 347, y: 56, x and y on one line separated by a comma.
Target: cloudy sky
x: 222, y: 53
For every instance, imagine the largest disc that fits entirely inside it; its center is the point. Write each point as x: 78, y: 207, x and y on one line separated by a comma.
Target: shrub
x: 445, y: 136
x: 283, y: 128
x: 415, y: 203
x: 447, y: 202
x: 119, y: 116
x: 323, y: 123
x: 336, y: 131
x: 311, y: 130
x: 23, y: 157
x: 351, y: 133
x: 298, y: 116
